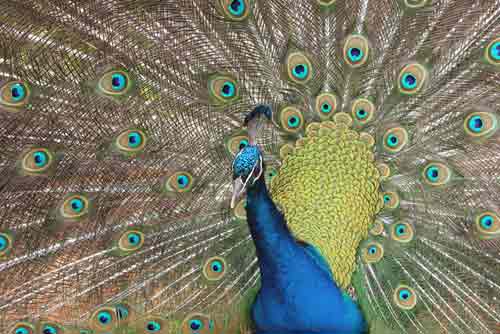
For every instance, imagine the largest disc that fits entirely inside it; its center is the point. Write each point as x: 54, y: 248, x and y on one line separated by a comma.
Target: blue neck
x: 297, y: 293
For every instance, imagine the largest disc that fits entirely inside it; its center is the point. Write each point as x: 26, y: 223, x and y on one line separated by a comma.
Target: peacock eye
x: 495, y: 51
x: 23, y: 328
x: 153, y: 326
x: 222, y: 88
x: 480, y: 124
x: 131, y: 141
x: 228, y: 89
x: 488, y: 225
x: 75, y: 206
x: 51, y: 328
x: 104, y: 317
x: 179, y: 182
x: 391, y: 199
x: 409, y: 81
x: 195, y: 324
x: 48, y: 329
x: 402, y: 232
x: 300, y: 71
x: 5, y: 243
x: 291, y: 119
x: 412, y: 78
x: 372, y: 252
x: 236, y: 7
x: 214, y: 268
x: 395, y: 139
x: 356, y: 50
x: 234, y: 10
x: 131, y: 241
x: 361, y: 114
x: 362, y: 111
x: 37, y: 161
x: 436, y: 174
x: 405, y: 297
x: 325, y: 105
x: 115, y: 83
x: 182, y: 181
x: 299, y: 68
x: 492, y: 52
x: 14, y: 95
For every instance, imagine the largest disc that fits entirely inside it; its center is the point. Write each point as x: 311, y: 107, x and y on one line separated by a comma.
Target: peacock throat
x: 328, y: 189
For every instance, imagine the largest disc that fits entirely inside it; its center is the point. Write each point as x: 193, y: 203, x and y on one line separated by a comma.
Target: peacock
x: 250, y: 167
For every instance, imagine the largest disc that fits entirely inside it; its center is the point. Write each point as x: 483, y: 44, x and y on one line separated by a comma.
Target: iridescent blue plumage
x: 298, y: 293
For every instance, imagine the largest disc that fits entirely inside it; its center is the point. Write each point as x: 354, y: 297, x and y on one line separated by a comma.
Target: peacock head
x: 248, y: 165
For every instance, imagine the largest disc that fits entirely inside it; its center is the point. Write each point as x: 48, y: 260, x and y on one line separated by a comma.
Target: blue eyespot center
x: 361, y: 113
x: 40, y: 158
x: 300, y: 71
x: 404, y: 294
x: 153, y: 326
x: 195, y: 324
x: 17, y: 92
x: 387, y: 199
x: 400, y: 229
x: 237, y: 7
x: 409, y: 81
x: 372, y: 250
x: 77, y: 204
x: 21, y: 330
x: 228, y: 89
x: 433, y: 174
x: 134, y: 139
x: 392, y: 140
x: 104, y: 317
x: 182, y: 181
x: 293, y: 121
x: 486, y: 222
x: 4, y: 243
x: 326, y: 108
x: 118, y: 81
x: 134, y: 239
x: 47, y: 329
x: 355, y: 54
x: 495, y: 51
x: 475, y: 124
x: 216, y: 266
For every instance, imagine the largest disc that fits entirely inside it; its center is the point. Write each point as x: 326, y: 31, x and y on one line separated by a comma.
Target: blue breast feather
x: 298, y: 294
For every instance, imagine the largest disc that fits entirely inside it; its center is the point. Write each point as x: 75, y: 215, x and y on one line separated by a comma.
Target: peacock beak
x: 238, y: 189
